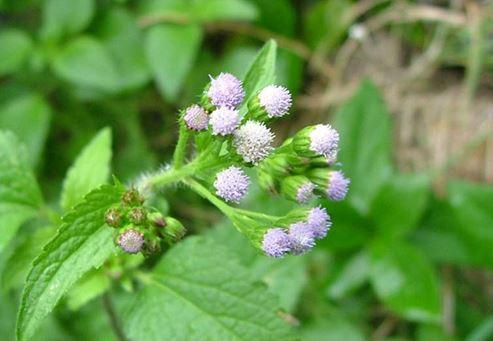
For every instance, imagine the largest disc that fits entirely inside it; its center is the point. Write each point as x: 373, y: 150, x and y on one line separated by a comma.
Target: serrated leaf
x: 90, y: 169
x: 199, y: 292
x: 92, y: 285
x: 262, y: 71
x: 16, y: 46
x: 82, y: 243
x: 400, y: 203
x: 61, y: 17
x: 171, y: 51
x: 20, y: 197
x: 28, y: 117
x: 405, y: 281
x: 364, y: 127
x: 87, y: 63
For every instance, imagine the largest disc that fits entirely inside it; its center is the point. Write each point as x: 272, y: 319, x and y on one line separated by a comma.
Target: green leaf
x: 82, y: 243
x: 353, y: 275
x: 61, y: 17
x: 20, y: 197
x: 16, y: 45
x: 200, y: 292
x: 405, y: 281
x: 400, y: 204
x: 92, y: 285
x: 261, y: 72
x: 213, y: 10
x: 90, y: 169
x: 364, y: 126
x: 332, y: 328
x: 483, y: 332
x: 171, y: 52
x: 87, y: 63
x: 472, y: 206
x: 28, y: 117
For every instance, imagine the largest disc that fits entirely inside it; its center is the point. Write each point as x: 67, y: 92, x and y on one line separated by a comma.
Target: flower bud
x: 266, y: 181
x: 276, y: 243
x: 333, y: 183
x: 131, y: 241
x: 297, y: 188
x: 196, y: 118
x: 151, y: 246
x: 302, y: 238
x: 174, y: 230
x: 277, y: 165
x: 273, y: 101
x: 319, y: 220
x: 225, y: 91
x: 138, y: 215
x: 319, y: 140
x: 224, y: 121
x: 253, y: 141
x: 231, y: 184
x: 157, y: 219
x: 113, y: 217
x: 132, y: 197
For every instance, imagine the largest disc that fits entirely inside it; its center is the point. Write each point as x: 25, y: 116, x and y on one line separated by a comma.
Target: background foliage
x: 91, y: 88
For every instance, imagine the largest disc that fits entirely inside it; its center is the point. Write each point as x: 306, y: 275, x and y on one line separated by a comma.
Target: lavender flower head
x: 276, y: 100
x: 324, y: 140
x: 131, y: 241
x: 338, y: 186
x: 305, y: 192
x: 224, y: 121
x: 253, y: 141
x: 226, y: 91
x: 231, y: 184
x: 196, y: 118
x: 319, y: 221
x: 276, y: 243
x: 302, y: 238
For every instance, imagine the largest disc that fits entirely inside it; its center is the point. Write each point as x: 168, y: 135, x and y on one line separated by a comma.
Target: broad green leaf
x: 87, y: 63
x: 200, y: 292
x: 61, y: 17
x: 332, y: 328
x: 19, y: 262
x: 28, y: 116
x: 90, y: 169
x: 364, y: 126
x: 212, y: 10
x: 472, y: 207
x: 15, y: 47
x: 277, y: 15
x: 123, y: 39
x: 400, y: 203
x: 20, y: 197
x: 82, y: 243
x: 427, y: 332
x: 405, y: 281
x: 483, y: 332
x: 353, y: 275
x: 262, y: 71
x: 171, y: 52
x: 89, y: 287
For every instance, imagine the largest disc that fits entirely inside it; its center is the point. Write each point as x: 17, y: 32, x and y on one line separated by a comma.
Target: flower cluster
x: 138, y: 228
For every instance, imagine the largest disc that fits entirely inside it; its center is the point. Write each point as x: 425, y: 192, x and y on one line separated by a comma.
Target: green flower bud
x: 132, y: 197
x: 151, y: 246
x: 319, y: 140
x: 157, y: 219
x: 277, y: 165
x: 320, y: 177
x: 297, y: 188
x: 266, y: 181
x: 138, y: 216
x: 174, y: 230
x: 113, y: 217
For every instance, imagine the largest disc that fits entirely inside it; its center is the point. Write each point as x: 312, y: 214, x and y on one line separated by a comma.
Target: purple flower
x: 305, y: 192
x: 302, y: 238
x: 226, y: 91
x: 196, y: 118
x: 338, y: 186
x: 324, y: 140
x: 276, y: 100
x: 231, y: 184
x: 319, y: 221
x: 253, y: 141
x: 276, y: 243
x: 131, y: 241
x: 224, y: 121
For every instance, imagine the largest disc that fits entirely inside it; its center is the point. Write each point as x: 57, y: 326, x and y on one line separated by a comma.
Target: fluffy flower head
x: 231, y: 184
x: 302, y: 238
x: 131, y: 241
x: 196, y: 118
x: 338, y: 186
x: 224, y: 121
x: 253, y: 141
x: 226, y: 91
x: 276, y: 100
x: 324, y: 140
x: 319, y: 221
x: 276, y: 243
x: 305, y: 192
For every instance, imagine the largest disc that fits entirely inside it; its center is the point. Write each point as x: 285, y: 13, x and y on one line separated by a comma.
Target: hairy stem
x: 206, y: 194
x: 181, y: 147
x: 114, y: 321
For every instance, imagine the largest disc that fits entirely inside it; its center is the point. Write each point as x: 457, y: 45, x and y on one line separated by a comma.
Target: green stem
x: 181, y: 147
x: 257, y: 215
x: 172, y: 175
x: 206, y: 194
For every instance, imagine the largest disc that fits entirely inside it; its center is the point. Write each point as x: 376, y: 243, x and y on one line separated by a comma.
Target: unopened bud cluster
x: 138, y: 228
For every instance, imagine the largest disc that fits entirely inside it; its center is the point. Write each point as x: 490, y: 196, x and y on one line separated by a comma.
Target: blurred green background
x: 407, y: 83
